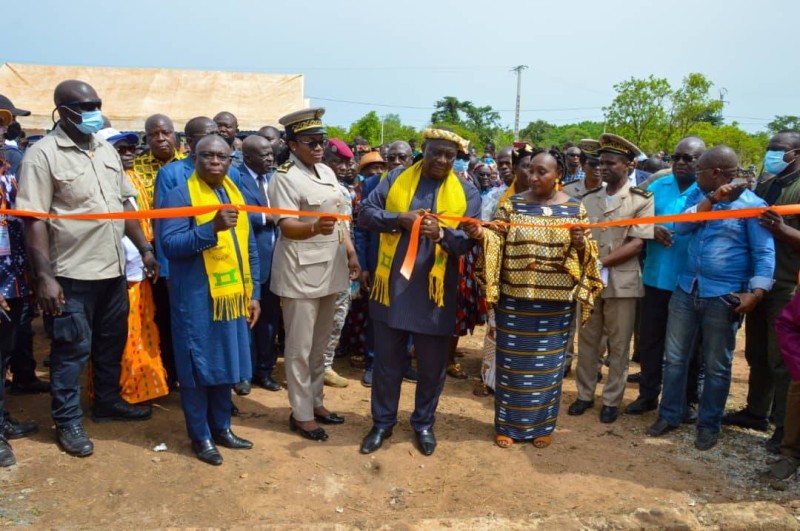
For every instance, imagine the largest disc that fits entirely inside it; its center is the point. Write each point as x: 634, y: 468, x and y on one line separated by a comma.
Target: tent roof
x: 130, y: 95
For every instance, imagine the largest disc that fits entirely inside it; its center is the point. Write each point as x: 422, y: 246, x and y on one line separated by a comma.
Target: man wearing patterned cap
x: 615, y: 310
x: 421, y: 301
x: 590, y: 160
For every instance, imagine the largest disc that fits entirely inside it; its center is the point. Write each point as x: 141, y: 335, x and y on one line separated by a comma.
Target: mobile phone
x: 731, y: 301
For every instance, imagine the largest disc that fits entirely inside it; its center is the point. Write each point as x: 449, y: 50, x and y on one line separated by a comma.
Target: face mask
x: 774, y: 163
x: 460, y: 165
x: 91, y: 122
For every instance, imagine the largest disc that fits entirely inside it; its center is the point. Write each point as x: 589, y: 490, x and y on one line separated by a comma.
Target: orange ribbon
x: 179, y: 212
x: 413, y: 244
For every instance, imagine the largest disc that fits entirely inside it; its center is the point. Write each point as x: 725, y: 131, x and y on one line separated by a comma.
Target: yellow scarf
x: 229, y: 281
x: 451, y: 201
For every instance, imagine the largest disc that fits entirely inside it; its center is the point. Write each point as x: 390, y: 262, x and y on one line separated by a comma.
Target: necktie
x: 262, y: 185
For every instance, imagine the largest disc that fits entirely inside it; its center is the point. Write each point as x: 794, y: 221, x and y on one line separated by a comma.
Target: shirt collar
x: 63, y: 139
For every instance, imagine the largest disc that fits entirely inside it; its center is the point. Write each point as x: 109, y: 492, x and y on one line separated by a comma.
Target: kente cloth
x: 142, y: 202
x: 451, y: 201
x: 143, y: 376
x: 146, y: 167
x: 539, y: 263
x: 227, y: 264
x: 471, y: 305
x: 529, y: 365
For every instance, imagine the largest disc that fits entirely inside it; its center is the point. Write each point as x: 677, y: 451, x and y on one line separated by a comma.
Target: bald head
x: 198, y: 127
x: 257, y: 153
x: 399, y: 154
x: 160, y: 135
x: 721, y: 157
x: 73, y: 90
x: 691, y: 144
x: 212, y: 159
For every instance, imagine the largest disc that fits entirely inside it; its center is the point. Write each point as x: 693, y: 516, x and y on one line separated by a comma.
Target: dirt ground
x: 593, y: 476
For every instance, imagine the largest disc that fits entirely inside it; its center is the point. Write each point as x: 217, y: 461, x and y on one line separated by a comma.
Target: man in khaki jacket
x: 615, y: 310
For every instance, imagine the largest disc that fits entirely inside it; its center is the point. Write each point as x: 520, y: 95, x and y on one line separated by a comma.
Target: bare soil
x: 593, y: 476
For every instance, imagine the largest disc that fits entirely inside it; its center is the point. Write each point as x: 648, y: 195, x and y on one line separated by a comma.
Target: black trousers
x: 21, y: 360
x: 9, y: 335
x: 93, y: 323
x: 391, y: 361
x: 164, y: 325
x: 652, y: 334
x: 263, y: 348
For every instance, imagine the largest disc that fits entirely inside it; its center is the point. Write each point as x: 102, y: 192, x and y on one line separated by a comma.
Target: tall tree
x: 447, y: 111
x: 638, y: 110
x: 367, y: 127
x: 691, y: 104
x: 781, y: 123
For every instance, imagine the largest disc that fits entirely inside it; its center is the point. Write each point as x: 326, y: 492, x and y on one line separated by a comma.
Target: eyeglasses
x: 313, y: 144
x: 85, y: 106
x: 126, y: 149
x: 593, y: 165
x: 685, y: 157
x: 397, y: 156
x: 208, y: 156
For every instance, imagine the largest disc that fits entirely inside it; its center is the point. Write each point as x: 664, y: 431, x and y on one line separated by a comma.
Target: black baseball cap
x: 5, y: 103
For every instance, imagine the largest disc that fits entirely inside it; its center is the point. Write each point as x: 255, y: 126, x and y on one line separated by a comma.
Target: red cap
x: 339, y: 148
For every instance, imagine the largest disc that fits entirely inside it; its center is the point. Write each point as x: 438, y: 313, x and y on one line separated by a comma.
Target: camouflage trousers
x: 339, y: 317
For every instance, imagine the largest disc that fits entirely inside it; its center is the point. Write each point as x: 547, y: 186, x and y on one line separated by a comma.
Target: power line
x: 391, y: 106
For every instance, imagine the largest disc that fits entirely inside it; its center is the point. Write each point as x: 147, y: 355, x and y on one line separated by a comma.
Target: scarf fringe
x: 229, y: 307
x: 380, y: 290
x: 436, y: 288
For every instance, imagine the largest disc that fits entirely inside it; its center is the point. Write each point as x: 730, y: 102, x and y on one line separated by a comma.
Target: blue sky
x: 406, y: 55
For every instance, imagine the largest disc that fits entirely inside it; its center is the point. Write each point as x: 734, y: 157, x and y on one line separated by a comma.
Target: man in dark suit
x: 256, y: 171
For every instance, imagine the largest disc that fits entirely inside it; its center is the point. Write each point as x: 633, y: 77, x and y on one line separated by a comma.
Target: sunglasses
x: 400, y: 157
x: 313, y: 144
x: 126, y: 149
x: 685, y: 157
x: 84, y: 106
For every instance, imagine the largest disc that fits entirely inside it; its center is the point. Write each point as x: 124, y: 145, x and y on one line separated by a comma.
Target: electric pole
x: 518, y: 70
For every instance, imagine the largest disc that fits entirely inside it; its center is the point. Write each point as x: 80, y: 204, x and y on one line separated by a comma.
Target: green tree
x: 447, y: 111
x: 334, y: 131
x: 367, y: 127
x: 536, y: 132
x: 749, y: 147
x: 394, y: 129
x: 691, y: 104
x: 781, y: 123
x: 482, y: 121
x: 638, y: 110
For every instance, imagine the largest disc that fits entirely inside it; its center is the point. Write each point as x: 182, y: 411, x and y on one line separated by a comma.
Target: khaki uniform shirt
x: 58, y: 177
x: 624, y: 280
x: 315, y: 267
x: 578, y: 189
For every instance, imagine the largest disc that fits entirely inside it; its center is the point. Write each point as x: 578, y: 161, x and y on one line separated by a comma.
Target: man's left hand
x: 429, y: 228
x: 748, y: 304
x: 254, y: 309
x: 151, y: 266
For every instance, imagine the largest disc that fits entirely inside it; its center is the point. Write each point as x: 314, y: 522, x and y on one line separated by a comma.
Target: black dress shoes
x: 75, y: 441
x: 267, y: 383
x: 6, y: 454
x: 120, y: 411
x: 17, y: 430
x: 207, y: 452
x: 313, y: 435
x: 227, y: 439
x: 579, y: 407
x: 641, y: 405
x: 426, y: 441
x: 242, y: 388
x: 609, y: 414
x: 635, y: 377
x: 659, y: 428
x: 32, y: 387
x: 374, y: 439
x: 330, y: 418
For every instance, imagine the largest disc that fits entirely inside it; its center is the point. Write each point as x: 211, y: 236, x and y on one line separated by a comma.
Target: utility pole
x: 518, y: 69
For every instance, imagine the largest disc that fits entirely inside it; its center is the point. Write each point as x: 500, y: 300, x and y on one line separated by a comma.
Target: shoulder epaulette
x: 593, y: 190
x: 644, y: 193
x: 285, y: 166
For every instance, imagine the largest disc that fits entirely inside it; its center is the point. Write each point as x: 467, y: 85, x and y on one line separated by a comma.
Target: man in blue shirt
x: 665, y: 255
x: 729, y: 268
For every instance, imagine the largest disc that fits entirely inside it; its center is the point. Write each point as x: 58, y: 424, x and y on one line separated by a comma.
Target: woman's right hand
x: 577, y: 236
x: 473, y: 230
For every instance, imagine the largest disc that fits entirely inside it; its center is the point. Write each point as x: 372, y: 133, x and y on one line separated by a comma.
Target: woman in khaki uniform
x: 314, y: 259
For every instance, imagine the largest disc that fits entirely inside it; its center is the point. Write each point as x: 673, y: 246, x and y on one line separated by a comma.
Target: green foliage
x: 367, y: 127
x: 334, y: 131
x: 781, y: 123
x: 393, y: 129
x: 483, y: 121
x: 545, y: 134
x: 749, y: 147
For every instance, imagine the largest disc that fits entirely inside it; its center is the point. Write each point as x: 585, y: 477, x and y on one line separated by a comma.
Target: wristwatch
x: 144, y: 249
x: 441, y: 235
x: 710, y: 197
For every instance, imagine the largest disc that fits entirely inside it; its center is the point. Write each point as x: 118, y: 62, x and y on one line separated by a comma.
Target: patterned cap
x: 589, y: 147
x: 610, y: 143
x: 442, y: 134
x: 307, y: 122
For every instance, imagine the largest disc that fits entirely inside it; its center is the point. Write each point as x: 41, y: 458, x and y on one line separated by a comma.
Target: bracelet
x: 441, y: 235
x: 144, y: 249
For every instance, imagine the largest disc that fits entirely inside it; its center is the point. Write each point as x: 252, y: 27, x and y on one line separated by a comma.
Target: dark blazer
x: 266, y: 234
x: 641, y: 176
x: 367, y: 242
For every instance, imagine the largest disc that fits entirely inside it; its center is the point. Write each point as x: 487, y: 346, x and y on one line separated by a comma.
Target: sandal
x: 503, y: 442
x: 543, y: 442
x: 482, y: 390
x: 455, y: 370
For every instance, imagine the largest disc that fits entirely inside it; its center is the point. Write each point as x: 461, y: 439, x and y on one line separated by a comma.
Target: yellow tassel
x: 380, y: 290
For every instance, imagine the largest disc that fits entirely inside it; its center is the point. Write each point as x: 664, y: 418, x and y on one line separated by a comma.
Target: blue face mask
x: 91, y: 121
x: 460, y: 165
x: 774, y: 163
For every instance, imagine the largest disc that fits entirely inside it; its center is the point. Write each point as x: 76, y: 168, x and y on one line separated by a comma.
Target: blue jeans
x: 688, y: 315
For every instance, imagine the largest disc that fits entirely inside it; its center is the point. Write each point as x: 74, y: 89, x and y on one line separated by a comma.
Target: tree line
x: 649, y: 112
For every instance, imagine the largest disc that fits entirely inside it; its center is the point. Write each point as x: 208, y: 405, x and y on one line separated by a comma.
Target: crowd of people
x: 390, y: 254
